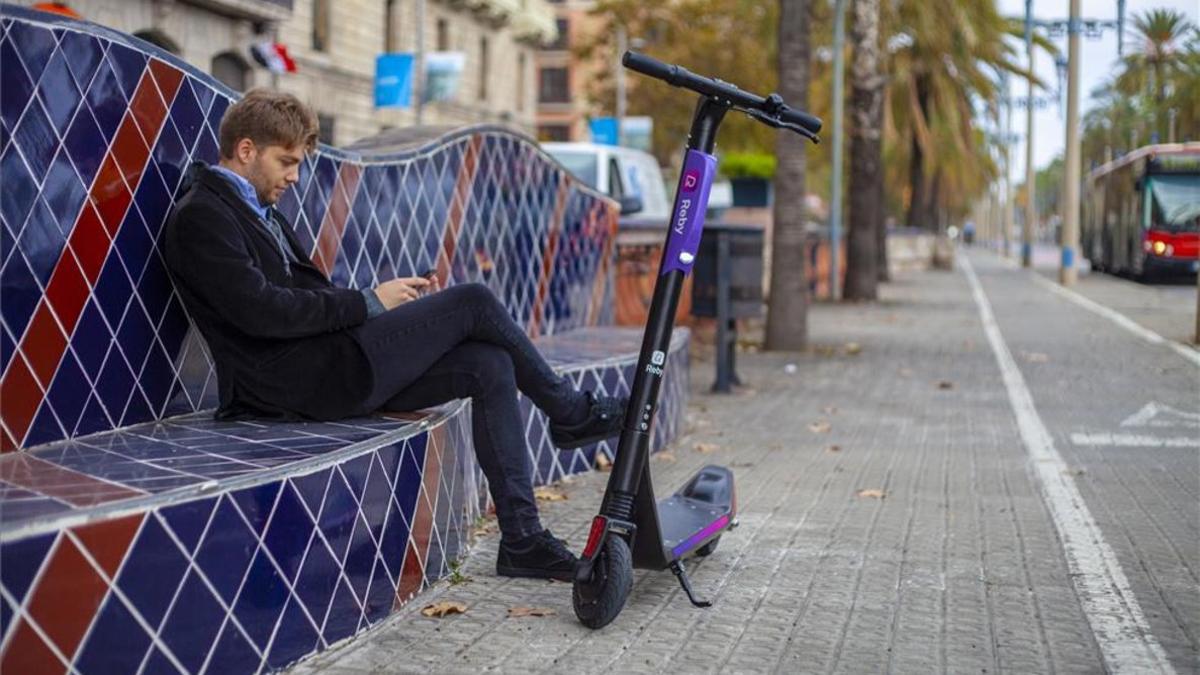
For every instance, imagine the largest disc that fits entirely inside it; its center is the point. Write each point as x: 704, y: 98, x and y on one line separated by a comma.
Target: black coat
x: 279, y: 340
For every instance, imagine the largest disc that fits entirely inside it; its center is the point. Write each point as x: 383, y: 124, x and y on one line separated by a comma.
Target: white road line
x: 1119, y: 319
x: 1133, y: 440
x: 1104, y: 593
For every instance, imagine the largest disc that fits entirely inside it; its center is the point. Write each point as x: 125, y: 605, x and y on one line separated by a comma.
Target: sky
x: 1099, y: 59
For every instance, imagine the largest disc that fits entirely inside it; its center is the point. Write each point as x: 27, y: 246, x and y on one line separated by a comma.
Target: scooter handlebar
x: 679, y: 76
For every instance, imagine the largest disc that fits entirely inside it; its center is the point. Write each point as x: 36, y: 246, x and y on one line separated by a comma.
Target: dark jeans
x: 462, y: 343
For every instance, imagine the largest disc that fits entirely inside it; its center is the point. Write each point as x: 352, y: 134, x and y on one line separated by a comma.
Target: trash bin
x: 727, y: 285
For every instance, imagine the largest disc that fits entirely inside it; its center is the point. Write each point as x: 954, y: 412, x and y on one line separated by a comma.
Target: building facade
x: 334, y: 45
x: 563, y: 106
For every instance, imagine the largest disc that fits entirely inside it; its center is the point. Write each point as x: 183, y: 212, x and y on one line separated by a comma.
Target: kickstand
x: 681, y: 574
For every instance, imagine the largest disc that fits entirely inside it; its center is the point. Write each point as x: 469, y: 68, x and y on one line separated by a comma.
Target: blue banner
x: 393, y: 80
x: 604, y: 130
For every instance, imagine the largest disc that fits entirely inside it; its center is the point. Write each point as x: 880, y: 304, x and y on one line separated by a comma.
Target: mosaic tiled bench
x: 137, y: 533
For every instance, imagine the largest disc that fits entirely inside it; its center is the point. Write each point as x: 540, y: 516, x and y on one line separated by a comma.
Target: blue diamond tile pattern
x: 187, y: 544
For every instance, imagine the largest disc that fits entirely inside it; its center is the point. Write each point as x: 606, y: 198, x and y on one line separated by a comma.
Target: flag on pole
x: 273, y: 56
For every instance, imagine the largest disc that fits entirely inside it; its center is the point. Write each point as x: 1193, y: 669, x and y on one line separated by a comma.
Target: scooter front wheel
x: 600, y: 599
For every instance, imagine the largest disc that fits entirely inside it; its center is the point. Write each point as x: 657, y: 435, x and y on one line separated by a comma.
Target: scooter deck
x: 675, y: 526
x: 687, y: 523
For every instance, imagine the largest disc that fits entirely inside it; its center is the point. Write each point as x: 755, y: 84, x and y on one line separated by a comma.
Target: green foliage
x: 748, y: 165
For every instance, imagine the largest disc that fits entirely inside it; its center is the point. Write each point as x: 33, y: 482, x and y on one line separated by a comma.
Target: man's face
x: 273, y: 169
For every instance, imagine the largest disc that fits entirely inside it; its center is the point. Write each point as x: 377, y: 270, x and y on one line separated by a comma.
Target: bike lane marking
x: 1104, y: 592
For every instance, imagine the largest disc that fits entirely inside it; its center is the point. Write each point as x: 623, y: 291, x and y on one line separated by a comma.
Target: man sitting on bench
x: 288, y: 344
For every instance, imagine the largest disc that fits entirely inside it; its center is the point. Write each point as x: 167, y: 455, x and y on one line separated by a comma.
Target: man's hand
x: 399, y: 291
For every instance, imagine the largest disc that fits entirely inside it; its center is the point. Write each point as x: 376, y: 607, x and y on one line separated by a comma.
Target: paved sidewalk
x: 958, y: 568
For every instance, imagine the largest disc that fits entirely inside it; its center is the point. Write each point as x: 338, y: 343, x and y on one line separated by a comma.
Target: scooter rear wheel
x: 599, y: 600
x: 707, y: 549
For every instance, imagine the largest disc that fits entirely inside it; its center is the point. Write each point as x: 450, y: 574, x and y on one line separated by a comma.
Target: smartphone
x: 427, y: 274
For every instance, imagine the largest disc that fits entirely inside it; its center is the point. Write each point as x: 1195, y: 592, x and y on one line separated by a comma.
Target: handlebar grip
x: 648, y: 65
x: 809, y: 122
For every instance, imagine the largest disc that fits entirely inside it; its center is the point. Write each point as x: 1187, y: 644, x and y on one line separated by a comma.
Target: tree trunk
x: 881, y: 256
x: 787, y: 314
x: 866, y: 155
x: 916, y: 184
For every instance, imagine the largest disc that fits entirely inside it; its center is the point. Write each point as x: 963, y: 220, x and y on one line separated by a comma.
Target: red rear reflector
x: 595, y: 536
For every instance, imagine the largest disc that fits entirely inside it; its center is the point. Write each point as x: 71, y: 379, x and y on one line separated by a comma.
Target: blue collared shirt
x: 250, y: 196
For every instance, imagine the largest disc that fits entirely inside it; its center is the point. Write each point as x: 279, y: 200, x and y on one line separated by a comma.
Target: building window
x: 321, y: 25
x: 484, y: 65
x: 391, y: 44
x: 521, y: 82
x: 561, y: 42
x: 159, y: 39
x: 443, y: 35
x: 325, y: 124
x: 554, y: 132
x: 554, y: 86
x: 231, y: 69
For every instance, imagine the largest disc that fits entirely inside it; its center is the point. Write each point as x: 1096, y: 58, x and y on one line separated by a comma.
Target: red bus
x: 1141, y: 212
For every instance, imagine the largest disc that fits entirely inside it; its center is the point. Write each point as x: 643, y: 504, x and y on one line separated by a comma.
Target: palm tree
x: 952, y: 52
x: 866, y: 155
x: 1156, y: 60
x: 787, y: 316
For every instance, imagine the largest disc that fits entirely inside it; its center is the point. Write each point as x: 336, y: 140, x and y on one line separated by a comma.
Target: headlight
x: 1159, y: 248
x: 1170, y: 250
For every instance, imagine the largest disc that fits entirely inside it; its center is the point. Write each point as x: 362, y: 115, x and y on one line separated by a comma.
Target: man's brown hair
x: 268, y: 117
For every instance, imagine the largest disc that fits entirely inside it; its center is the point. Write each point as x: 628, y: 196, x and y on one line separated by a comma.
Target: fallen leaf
x: 824, y: 350
x: 945, y: 384
x: 441, y: 609
x: 742, y: 465
x: 820, y: 427
x: 1035, y: 357
x: 549, y: 494
x: 853, y: 348
x: 485, y: 529
x: 906, y: 372
x: 514, y: 612
x: 603, y: 463
x: 705, y: 448
x: 665, y: 456
x: 829, y: 410
x: 877, y: 494
x: 834, y: 448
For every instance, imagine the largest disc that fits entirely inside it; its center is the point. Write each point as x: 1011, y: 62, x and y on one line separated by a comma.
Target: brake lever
x: 777, y: 123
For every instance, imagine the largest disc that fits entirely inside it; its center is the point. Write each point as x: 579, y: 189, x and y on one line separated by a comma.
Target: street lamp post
x: 1071, y: 173
x: 419, y: 65
x: 839, y: 102
x: 1030, y: 178
x: 1007, y: 185
x: 619, y: 76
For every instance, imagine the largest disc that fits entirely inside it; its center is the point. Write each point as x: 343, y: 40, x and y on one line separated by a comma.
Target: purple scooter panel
x: 687, y: 219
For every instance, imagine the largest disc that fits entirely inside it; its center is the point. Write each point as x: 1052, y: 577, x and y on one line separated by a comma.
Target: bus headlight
x: 1160, y: 248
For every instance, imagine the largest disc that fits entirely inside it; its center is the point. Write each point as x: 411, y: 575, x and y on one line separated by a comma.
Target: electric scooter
x: 632, y: 530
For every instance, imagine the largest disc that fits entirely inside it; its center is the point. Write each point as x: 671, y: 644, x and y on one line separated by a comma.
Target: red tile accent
x: 411, y: 578
x: 329, y: 237
x: 422, y: 529
x: 67, y: 291
x: 458, y: 207
x: 44, y: 345
x: 7, y: 442
x: 543, y: 288
x: 27, y: 653
x: 91, y: 243
x: 67, y: 597
x: 19, y: 400
x: 168, y: 78
x: 108, y: 541
x: 111, y: 196
x: 148, y: 109
x: 603, y: 215
x: 51, y: 480
x: 130, y: 151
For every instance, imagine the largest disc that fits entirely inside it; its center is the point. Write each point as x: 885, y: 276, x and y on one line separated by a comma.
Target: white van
x: 631, y: 177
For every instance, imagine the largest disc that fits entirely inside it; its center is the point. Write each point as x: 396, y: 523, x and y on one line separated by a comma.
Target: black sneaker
x: 605, y: 416
x: 539, y: 556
